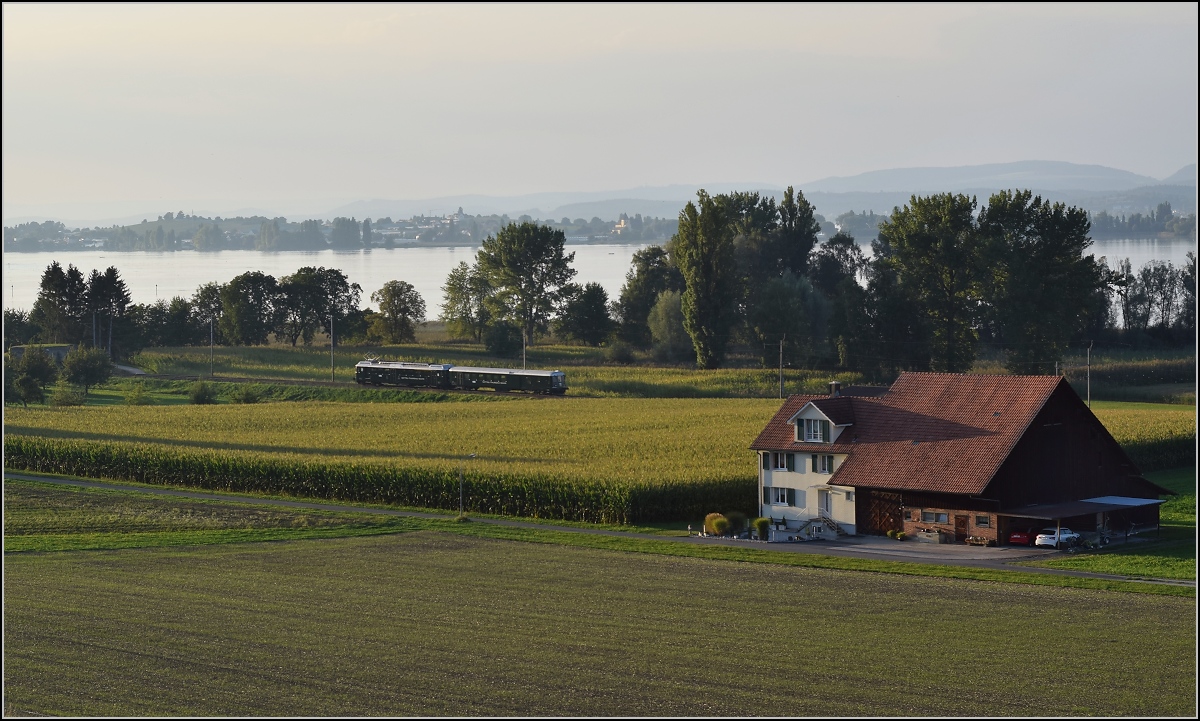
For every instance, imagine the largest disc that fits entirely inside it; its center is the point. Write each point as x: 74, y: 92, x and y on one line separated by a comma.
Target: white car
x: 1056, y: 538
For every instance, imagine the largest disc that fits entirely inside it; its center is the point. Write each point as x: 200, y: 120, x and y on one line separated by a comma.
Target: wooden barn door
x: 878, y: 512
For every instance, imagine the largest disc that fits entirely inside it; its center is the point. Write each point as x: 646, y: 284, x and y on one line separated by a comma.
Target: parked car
x: 1023, y: 537
x: 1056, y: 537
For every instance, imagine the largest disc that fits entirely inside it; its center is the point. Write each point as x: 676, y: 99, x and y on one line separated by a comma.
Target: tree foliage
x: 401, y: 308
x: 87, y: 367
x: 704, y: 251
x: 526, y: 266
x: 934, y: 246
x: 465, y: 308
x: 584, y: 315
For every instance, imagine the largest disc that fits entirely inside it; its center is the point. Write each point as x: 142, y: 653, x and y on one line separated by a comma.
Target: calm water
x: 152, y: 275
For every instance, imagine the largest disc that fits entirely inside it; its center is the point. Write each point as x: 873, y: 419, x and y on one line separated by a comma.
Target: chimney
x: 835, y: 389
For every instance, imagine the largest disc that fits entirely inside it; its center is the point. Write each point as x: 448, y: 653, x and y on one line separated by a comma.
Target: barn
x: 947, y: 455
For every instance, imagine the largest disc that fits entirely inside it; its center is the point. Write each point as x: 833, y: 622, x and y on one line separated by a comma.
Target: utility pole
x: 210, y: 348
x: 1089, y: 373
x: 332, y: 371
x: 781, y: 364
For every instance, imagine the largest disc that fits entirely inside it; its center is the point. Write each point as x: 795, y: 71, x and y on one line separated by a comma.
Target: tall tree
x: 302, y: 304
x: 1035, y: 281
x: 796, y: 234
x: 465, y: 307
x: 249, y: 307
x: 366, y: 233
x: 401, y: 308
x: 584, y: 315
x: 934, y: 244
x: 526, y: 266
x: 651, y: 274
x: 834, y: 261
x: 703, y: 249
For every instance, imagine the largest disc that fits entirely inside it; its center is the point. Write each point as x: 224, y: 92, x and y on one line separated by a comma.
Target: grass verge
x: 26, y: 503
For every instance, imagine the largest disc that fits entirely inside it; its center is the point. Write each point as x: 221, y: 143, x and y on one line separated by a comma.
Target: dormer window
x: 816, y: 431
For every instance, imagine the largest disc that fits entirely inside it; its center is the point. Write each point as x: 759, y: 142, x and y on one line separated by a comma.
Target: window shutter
x: 815, y: 463
x: 829, y: 464
x: 791, y: 496
x: 766, y: 495
x: 791, y: 461
x: 766, y: 461
x: 825, y: 436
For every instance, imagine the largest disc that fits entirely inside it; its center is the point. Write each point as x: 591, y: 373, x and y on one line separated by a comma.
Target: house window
x: 779, y: 496
x: 908, y: 515
x: 822, y: 464
x: 850, y: 496
x: 934, y: 517
x: 816, y: 431
x: 983, y: 521
x: 783, y: 461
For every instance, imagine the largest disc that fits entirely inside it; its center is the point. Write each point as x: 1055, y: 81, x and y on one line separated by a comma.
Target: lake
x: 152, y: 275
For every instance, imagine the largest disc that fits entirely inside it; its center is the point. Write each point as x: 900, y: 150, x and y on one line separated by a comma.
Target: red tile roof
x: 944, y: 432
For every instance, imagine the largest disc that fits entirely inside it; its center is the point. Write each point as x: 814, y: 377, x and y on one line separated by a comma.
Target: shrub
x: 891, y: 533
x: 720, y: 526
x: 202, y: 394
x: 737, y: 521
x: 763, y: 527
x: 619, y: 352
x: 245, y: 394
x: 710, y: 522
x: 901, y: 535
x: 136, y: 396
x: 65, y: 394
x: 503, y: 339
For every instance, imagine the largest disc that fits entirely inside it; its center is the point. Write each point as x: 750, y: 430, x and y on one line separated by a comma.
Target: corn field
x: 595, y: 460
x: 1154, y: 439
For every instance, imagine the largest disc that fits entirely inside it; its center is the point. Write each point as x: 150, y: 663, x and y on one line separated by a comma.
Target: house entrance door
x: 960, y: 529
x: 824, y: 504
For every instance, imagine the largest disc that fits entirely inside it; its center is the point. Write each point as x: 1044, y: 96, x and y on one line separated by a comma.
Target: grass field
x: 434, y: 623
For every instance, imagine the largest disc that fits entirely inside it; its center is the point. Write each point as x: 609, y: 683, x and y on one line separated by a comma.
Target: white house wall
x: 807, y: 485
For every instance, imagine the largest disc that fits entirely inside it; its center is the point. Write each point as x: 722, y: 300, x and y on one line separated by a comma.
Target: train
x: 446, y: 376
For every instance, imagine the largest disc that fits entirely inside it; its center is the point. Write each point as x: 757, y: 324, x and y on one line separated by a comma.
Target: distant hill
x: 1033, y: 174
x: 1184, y: 176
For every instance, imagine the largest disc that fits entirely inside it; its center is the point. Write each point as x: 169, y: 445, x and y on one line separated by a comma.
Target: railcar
x: 446, y: 376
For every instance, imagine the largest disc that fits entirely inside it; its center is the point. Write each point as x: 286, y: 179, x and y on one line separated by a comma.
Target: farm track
x: 969, y: 557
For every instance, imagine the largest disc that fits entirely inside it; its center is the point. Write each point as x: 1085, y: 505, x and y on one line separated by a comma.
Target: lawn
x: 434, y: 623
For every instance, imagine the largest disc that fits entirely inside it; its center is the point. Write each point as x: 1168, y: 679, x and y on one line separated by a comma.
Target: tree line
x: 945, y: 276
x: 250, y: 309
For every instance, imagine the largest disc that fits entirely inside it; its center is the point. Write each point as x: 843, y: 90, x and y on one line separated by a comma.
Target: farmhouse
x: 946, y: 455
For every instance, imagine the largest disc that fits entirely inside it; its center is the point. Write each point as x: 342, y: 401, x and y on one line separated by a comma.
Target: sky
x: 119, y: 109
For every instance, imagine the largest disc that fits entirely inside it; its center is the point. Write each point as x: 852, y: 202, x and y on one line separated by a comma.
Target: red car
x: 1023, y: 537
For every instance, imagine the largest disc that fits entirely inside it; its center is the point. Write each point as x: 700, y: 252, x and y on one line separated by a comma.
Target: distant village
x: 183, y: 231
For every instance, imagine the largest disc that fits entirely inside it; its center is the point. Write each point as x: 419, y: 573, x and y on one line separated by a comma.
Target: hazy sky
x: 299, y: 108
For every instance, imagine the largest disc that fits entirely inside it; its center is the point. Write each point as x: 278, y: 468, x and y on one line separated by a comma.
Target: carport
x: 1088, y: 511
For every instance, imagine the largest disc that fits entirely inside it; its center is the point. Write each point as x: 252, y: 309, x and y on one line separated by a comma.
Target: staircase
x: 824, y: 521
